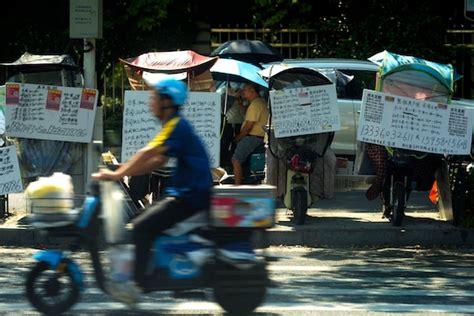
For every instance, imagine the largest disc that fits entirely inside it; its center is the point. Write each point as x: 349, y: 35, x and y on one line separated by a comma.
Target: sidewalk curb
x: 358, y: 237
x: 19, y: 236
x: 345, y: 221
x: 300, y: 236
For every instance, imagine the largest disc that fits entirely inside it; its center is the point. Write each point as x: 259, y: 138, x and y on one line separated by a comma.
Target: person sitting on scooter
x: 252, y: 133
x: 191, y: 183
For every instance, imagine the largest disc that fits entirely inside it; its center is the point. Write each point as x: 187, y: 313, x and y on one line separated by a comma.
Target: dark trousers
x: 228, y: 144
x: 151, y: 223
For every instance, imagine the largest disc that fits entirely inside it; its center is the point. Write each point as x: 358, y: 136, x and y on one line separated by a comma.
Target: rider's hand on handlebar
x: 105, y: 174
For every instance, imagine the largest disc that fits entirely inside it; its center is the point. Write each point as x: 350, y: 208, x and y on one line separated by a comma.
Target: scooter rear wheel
x: 51, y: 292
x: 240, y: 291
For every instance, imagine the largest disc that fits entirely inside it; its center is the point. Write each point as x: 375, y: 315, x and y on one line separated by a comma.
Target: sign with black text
x: 140, y: 126
x: 304, y: 111
x: 420, y: 125
x: 49, y: 112
x: 85, y: 18
x: 10, y: 179
x: 2, y: 115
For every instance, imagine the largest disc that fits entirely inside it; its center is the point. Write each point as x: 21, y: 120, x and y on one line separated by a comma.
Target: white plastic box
x: 243, y: 206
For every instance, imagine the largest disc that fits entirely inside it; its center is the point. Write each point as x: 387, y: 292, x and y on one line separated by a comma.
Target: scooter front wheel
x: 299, y: 203
x: 240, y: 291
x: 51, y: 292
x: 399, y: 197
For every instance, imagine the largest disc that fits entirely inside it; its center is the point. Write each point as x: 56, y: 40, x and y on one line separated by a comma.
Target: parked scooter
x: 408, y: 169
x: 298, y: 152
x: 300, y: 163
x: 400, y: 181
x: 208, y: 250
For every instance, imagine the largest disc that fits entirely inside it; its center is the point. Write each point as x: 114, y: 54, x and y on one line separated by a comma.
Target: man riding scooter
x: 191, y: 183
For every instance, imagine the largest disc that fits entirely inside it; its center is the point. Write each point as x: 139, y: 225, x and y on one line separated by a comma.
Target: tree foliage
x: 361, y: 28
x: 274, y: 13
x: 345, y: 28
x: 130, y: 27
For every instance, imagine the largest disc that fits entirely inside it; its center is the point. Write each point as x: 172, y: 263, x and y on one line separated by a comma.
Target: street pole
x: 90, y: 81
x: 89, y: 63
x: 85, y: 22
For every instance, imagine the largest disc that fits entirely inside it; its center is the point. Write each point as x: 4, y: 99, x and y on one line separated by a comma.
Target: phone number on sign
x: 370, y: 131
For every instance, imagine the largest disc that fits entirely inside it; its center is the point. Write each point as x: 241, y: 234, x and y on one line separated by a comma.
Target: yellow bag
x: 52, y: 194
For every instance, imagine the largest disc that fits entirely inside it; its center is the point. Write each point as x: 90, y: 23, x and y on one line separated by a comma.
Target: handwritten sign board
x: 140, y: 126
x: 50, y: 112
x: 419, y: 125
x: 10, y: 179
x: 303, y: 111
x: 2, y: 114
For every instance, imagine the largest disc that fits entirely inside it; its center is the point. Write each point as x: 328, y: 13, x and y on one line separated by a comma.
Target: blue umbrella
x: 237, y: 71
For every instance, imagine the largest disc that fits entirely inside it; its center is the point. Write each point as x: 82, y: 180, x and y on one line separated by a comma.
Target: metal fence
x: 112, y: 85
x: 292, y: 43
x: 463, y: 41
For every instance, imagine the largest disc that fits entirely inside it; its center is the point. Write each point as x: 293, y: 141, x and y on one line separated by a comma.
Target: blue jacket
x: 192, y: 179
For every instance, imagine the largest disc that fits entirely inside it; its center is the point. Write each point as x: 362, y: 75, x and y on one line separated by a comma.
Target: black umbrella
x: 250, y: 51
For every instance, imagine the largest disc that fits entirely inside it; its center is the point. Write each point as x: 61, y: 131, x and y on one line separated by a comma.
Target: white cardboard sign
x: 140, y: 126
x: 303, y: 111
x: 10, y: 179
x: 49, y: 112
x: 420, y: 125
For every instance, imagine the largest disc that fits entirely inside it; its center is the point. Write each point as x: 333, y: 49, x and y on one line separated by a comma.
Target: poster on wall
x: 420, y: 125
x: 304, y: 111
x: 10, y: 179
x: 140, y: 126
x: 49, y: 112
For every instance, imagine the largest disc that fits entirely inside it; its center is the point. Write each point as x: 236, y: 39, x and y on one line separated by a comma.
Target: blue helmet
x: 175, y: 89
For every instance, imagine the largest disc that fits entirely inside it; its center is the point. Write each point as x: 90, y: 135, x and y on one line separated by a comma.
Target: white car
x: 349, y: 97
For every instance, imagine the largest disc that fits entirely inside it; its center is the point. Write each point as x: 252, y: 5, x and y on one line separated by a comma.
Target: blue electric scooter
x: 226, y: 262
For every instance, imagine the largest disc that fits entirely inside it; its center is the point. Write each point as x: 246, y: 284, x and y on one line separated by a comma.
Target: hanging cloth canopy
x: 185, y: 64
x: 390, y: 63
x: 282, y: 76
x: 28, y: 59
x: 171, y: 62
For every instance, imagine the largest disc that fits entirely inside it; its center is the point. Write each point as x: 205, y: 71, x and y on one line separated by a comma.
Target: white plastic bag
x: 52, y: 194
x: 122, y: 260
x: 113, y: 210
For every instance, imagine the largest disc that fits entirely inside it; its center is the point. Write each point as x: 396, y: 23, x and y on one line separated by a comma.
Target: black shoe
x: 387, y: 211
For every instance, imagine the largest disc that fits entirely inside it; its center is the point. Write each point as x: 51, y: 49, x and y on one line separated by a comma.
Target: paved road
x: 306, y: 281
